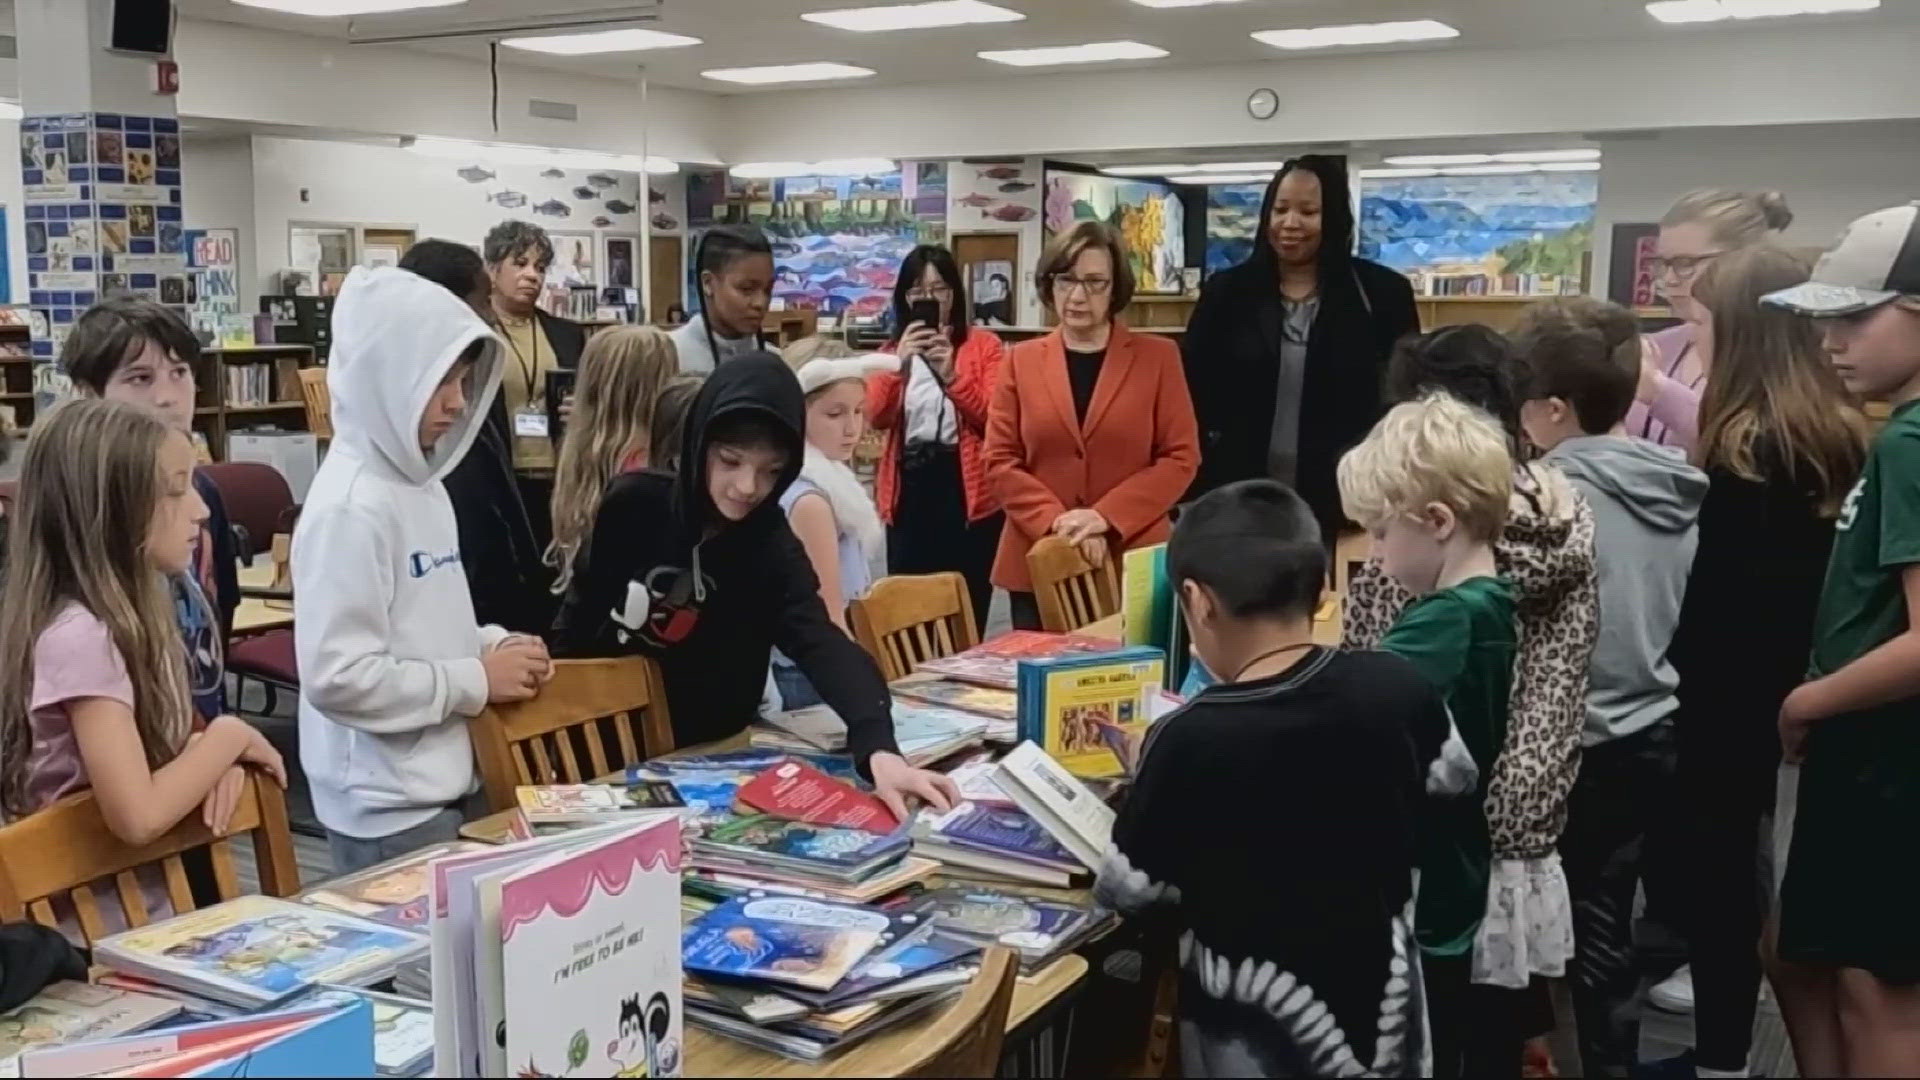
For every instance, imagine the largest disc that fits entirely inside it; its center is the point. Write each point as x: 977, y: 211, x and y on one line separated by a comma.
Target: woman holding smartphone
x: 933, y: 494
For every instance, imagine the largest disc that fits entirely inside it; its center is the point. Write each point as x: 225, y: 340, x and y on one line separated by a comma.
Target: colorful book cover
x: 590, y: 959
x: 766, y: 835
x: 995, y: 662
x: 709, y: 782
x: 308, y: 1041
x: 799, y: 792
x: 73, y: 1012
x: 913, y: 955
x: 1006, y: 831
x: 788, y: 939
x: 1146, y: 597
x: 257, y: 949
x: 1028, y: 925
x: 550, y: 804
x: 402, y: 1027
x: 394, y: 892
x: 1091, y: 712
x: 962, y: 697
x: 974, y: 778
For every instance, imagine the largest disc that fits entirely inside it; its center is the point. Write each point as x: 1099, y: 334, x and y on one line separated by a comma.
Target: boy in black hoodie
x: 699, y: 569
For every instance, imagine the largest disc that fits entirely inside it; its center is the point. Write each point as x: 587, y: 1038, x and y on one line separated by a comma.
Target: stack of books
x: 807, y: 979
x: 545, y: 809
x: 997, y: 842
x: 995, y: 663
x: 925, y: 733
x: 1038, y: 930
x: 73, y: 1012
x: 394, y: 892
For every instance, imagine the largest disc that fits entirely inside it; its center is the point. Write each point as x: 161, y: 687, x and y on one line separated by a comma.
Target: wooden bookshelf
x: 277, y: 401
x: 16, y: 374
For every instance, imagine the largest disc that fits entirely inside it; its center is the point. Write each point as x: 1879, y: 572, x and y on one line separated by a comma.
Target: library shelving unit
x: 16, y: 374
x: 251, y: 386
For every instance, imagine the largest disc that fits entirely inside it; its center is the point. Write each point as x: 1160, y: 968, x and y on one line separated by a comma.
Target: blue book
x: 1007, y: 831
x: 709, y: 782
x: 1036, y: 929
x: 309, y: 1041
x: 812, y: 944
x: 917, y: 954
x: 819, y: 850
x: 1089, y: 711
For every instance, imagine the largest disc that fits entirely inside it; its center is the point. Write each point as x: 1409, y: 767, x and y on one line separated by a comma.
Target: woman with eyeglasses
x: 1705, y: 224
x: 1285, y: 352
x: 932, y: 483
x: 1091, y: 435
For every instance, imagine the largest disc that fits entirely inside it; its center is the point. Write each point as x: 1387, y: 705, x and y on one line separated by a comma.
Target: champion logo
x: 422, y: 563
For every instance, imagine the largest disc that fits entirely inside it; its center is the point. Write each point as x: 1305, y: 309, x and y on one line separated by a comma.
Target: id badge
x: 530, y: 424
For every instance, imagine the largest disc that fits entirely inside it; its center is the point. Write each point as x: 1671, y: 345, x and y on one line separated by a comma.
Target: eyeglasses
x: 1065, y: 284
x: 938, y: 292
x: 1682, y: 267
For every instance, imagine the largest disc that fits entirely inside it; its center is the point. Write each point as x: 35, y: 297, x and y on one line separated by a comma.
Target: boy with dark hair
x: 1582, y: 360
x: 1848, y: 970
x: 698, y: 567
x: 133, y: 350
x: 1297, y: 954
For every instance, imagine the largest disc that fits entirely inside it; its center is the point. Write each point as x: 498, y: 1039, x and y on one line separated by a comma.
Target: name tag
x: 531, y: 424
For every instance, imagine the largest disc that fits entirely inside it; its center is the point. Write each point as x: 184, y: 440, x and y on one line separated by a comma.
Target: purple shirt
x: 1673, y: 417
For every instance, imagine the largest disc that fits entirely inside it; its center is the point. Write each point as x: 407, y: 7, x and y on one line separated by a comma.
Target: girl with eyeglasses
x: 932, y: 485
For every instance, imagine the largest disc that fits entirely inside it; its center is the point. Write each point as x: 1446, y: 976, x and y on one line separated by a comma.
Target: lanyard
x: 530, y: 370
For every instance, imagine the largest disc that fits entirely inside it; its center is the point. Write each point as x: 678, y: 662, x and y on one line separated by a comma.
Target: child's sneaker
x: 1674, y: 993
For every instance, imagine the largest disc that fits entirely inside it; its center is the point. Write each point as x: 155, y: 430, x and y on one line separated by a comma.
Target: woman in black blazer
x: 1285, y: 352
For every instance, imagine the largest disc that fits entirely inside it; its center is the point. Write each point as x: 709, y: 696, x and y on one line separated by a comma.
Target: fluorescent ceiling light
x: 1092, y: 53
x: 768, y: 170
x: 11, y: 110
x: 1424, y: 160
x: 325, y: 9
x: 1567, y: 166
x: 632, y: 39
x: 1240, y: 166
x: 1549, y: 155
x: 1508, y: 158
x: 1181, y: 3
x: 819, y: 71
x: 1223, y: 178
x: 518, y: 154
x: 1329, y: 37
x: 1699, y: 11
x: 867, y: 20
x: 1498, y: 169
x: 1147, y: 170
x: 1396, y: 174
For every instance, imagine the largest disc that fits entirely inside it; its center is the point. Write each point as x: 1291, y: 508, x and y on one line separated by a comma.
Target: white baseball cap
x: 821, y: 371
x: 1876, y: 261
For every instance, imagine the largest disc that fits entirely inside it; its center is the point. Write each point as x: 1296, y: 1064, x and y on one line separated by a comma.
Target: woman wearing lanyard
x: 1285, y: 352
x: 518, y: 254
x: 1703, y: 225
x: 933, y: 493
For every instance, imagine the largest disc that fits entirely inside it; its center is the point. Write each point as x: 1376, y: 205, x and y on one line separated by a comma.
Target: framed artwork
x: 574, y: 260
x: 1630, y: 278
x: 621, y: 260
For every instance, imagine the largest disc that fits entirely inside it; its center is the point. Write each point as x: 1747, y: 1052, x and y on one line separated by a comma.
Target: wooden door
x: 666, y: 273
x: 990, y: 263
x: 384, y: 247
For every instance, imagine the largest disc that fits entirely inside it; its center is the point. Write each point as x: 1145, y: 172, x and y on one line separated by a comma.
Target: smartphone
x: 924, y: 311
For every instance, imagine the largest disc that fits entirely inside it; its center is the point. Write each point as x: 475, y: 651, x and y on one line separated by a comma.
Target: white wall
x: 218, y: 193
x: 1830, y: 174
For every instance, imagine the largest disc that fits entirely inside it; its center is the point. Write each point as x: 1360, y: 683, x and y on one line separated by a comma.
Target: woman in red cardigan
x: 933, y: 493
x: 1091, y: 435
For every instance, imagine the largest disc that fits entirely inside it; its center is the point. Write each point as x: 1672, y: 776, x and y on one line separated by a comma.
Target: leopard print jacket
x: 1546, y: 550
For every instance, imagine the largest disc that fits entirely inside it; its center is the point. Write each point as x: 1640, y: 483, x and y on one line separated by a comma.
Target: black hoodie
x: 1231, y: 352
x: 711, y: 609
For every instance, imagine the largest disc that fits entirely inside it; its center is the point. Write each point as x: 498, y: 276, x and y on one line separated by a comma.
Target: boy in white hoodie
x: 392, y: 663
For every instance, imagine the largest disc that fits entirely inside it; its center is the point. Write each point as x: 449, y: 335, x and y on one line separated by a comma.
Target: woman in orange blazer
x: 1091, y: 432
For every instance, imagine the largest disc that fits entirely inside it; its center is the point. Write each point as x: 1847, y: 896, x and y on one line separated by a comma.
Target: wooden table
x: 256, y: 615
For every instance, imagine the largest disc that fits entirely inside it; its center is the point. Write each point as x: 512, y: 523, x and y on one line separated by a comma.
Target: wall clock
x: 1262, y: 104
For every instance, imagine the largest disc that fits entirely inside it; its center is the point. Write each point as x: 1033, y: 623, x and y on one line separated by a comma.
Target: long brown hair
x: 1770, y: 388
x: 621, y: 373
x: 90, y: 486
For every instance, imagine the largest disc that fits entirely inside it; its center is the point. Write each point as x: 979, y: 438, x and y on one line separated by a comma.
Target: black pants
x: 930, y: 532
x: 1729, y: 844
x: 1477, y: 1030
x: 537, y: 493
x: 1608, y: 815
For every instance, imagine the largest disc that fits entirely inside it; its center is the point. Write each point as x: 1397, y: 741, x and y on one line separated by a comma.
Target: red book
x: 800, y: 792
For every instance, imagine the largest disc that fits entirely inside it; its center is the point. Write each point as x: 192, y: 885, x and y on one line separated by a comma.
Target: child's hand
x: 1796, y: 718
x: 895, y: 782
x: 261, y: 755
x: 217, y: 810
x: 515, y: 669
x: 539, y: 646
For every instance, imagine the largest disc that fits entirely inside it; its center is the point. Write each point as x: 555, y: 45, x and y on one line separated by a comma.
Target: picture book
x: 924, y: 733
x: 845, y: 854
x: 402, y: 1026
x: 805, y: 1041
x: 745, y: 878
x: 754, y: 1006
x: 589, y: 946
x: 1059, y: 801
x: 1147, y: 605
x: 255, y: 950
x: 591, y: 804
x: 71, y: 1012
x: 1006, y: 831
x: 1091, y: 711
x: 709, y: 782
x: 915, y: 954
x: 812, y: 944
x: 995, y: 662
x: 798, y: 792
x: 394, y: 892
x: 1028, y: 925
x: 975, y: 780
x: 309, y: 1041
x: 1001, y: 705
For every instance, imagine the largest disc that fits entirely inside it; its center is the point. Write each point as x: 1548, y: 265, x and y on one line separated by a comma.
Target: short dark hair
x: 452, y: 266
x: 1255, y: 545
x: 113, y: 331
x: 669, y: 421
x: 511, y: 237
x: 911, y: 269
x: 748, y: 428
x: 1585, y: 352
x: 1064, y: 249
x: 1471, y: 362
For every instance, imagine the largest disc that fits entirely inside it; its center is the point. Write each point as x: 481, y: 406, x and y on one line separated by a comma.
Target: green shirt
x: 1463, y: 640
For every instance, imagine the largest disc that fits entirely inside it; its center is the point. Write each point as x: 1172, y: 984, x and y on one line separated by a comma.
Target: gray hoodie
x: 1646, y: 504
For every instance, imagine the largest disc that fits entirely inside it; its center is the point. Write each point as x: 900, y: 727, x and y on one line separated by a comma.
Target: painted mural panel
x: 1148, y: 214
x: 1525, y: 234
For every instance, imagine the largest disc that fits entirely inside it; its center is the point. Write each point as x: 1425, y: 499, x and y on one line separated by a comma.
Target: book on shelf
x: 256, y: 950
x: 797, y: 791
x: 308, y: 1040
x: 236, y: 332
x: 561, y: 955
x: 1000, y: 706
x: 73, y: 1012
x: 1091, y: 710
x: 1059, y: 801
x: 593, y: 804
x: 788, y: 940
x: 402, y: 1026
x: 924, y: 733
x: 995, y: 662
x: 393, y: 892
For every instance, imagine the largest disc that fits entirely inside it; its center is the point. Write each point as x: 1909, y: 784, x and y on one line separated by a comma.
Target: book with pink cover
x: 996, y: 662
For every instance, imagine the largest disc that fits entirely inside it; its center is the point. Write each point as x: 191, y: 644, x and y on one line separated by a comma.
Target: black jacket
x: 1232, y: 357
x: 710, y: 607
x: 497, y: 544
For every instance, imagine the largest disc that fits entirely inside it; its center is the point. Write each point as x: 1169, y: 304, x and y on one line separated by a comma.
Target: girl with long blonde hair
x: 1781, y: 443
x: 93, y: 688
x: 622, y: 372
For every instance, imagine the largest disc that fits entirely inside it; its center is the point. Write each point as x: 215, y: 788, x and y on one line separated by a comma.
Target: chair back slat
x: 587, y: 714
x: 1070, y: 591
x: 904, y: 621
x: 65, y: 856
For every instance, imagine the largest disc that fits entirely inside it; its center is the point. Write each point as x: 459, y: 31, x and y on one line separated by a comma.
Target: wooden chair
x: 904, y: 620
x: 966, y: 1039
x: 1071, y: 591
x: 67, y: 850
x: 319, y: 401
x: 579, y: 729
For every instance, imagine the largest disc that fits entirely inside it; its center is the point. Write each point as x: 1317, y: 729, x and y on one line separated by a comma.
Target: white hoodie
x: 384, y: 629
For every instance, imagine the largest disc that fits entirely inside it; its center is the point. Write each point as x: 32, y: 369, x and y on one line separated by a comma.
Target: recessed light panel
x: 1700, y: 11
x: 1333, y: 37
x: 328, y: 9
x: 631, y: 39
x: 1092, y: 53
x: 869, y: 20
x: 820, y: 71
